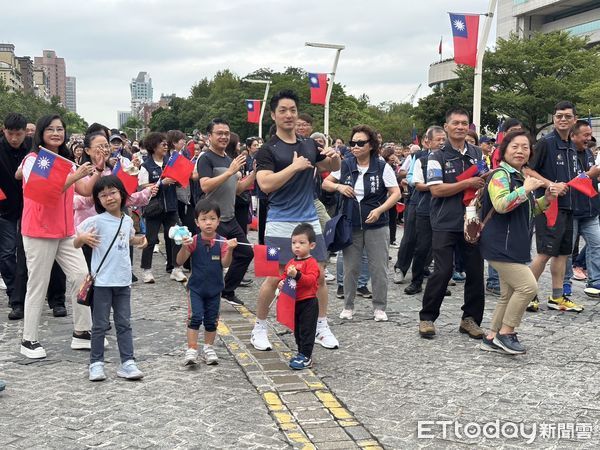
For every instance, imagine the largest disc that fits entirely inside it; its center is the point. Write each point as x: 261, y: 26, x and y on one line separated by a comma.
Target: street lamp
x: 338, y: 49
x: 264, y: 102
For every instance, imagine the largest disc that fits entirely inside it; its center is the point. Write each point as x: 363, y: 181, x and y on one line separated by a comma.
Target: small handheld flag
x: 266, y: 261
x: 583, y: 184
x: 129, y: 181
x: 47, y: 178
x: 552, y: 213
x: 286, y: 303
x: 179, y: 168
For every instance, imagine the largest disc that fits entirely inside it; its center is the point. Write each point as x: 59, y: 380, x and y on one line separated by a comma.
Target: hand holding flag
x: 583, y: 184
x: 266, y: 261
x: 129, y: 181
x: 286, y: 303
x: 469, y: 193
x: 178, y: 168
x: 47, y: 178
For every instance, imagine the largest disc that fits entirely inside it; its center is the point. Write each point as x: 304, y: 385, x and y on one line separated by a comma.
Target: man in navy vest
x: 447, y: 214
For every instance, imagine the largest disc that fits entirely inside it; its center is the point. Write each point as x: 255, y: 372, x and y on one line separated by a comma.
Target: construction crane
x: 411, y: 97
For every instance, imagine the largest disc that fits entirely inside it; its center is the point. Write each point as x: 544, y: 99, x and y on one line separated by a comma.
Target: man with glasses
x: 554, y: 161
x: 220, y: 181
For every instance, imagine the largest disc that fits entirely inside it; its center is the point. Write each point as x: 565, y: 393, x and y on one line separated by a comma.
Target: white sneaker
x: 147, y: 276
x: 394, y: 245
x: 32, y: 350
x: 209, y: 355
x: 156, y: 248
x: 347, y: 314
x: 380, y: 316
x: 260, y: 338
x: 329, y: 276
x: 2, y: 284
x: 325, y: 337
x: 191, y: 357
x: 177, y: 275
x: 399, y: 277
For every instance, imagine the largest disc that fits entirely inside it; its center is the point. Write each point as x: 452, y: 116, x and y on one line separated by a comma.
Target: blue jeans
x: 119, y: 299
x: 8, y: 253
x: 589, y: 228
x: 493, y: 281
x: 205, y: 310
x: 363, y: 277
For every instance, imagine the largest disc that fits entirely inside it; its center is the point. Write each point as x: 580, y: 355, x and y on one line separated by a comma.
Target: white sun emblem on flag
x: 292, y: 283
x: 44, y: 163
x: 272, y: 252
x: 459, y: 25
x: 250, y: 105
x: 314, y: 80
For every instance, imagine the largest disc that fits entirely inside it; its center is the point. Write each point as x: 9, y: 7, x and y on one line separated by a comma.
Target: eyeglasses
x: 357, y: 143
x: 564, y: 116
x: 108, y: 194
x: 101, y: 147
x: 58, y: 130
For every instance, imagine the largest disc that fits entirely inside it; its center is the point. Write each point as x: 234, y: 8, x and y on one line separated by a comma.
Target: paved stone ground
x: 384, y: 375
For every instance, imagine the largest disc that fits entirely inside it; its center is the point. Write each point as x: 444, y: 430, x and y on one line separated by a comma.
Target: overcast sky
x: 389, y: 44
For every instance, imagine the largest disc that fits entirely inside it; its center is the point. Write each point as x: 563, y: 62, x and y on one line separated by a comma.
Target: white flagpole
x: 479, y: 66
x: 264, y: 102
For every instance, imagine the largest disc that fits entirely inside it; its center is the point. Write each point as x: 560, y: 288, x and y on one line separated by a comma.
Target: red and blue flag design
x: 179, y: 168
x: 47, y: 178
x: 318, y: 88
x: 286, y: 303
x: 266, y: 261
x: 253, y: 107
x: 465, y: 29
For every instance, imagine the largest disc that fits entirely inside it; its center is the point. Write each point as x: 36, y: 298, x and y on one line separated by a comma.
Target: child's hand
x: 142, y: 242
x: 187, y: 240
x: 280, y: 285
x: 292, y: 272
x: 90, y: 238
x: 232, y: 243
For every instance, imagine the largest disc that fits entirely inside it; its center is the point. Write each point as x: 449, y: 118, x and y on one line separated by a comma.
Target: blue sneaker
x: 459, y: 277
x: 509, y: 343
x: 567, y: 291
x: 488, y: 345
x: 97, y: 371
x: 129, y: 371
x: 2, y: 385
x: 494, y: 290
x: 300, y: 362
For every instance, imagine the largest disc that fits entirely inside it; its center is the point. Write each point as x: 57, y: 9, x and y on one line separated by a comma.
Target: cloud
x: 389, y: 45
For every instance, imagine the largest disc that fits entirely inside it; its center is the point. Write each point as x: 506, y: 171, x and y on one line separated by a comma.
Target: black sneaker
x: 17, y: 313
x: 364, y: 292
x: 509, y: 343
x: 413, y: 289
x: 32, y: 349
x: 59, y: 311
x: 232, y: 299
x: 448, y: 293
x: 487, y: 345
x: 340, y: 292
x: 133, y: 278
x: 81, y: 341
x: 246, y: 282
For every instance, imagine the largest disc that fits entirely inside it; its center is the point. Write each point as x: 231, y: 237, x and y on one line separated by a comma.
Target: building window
x: 585, y: 28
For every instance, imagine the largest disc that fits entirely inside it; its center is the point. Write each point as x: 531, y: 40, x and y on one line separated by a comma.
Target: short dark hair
x: 371, y: 134
x: 250, y: 141
x: 305, y: 117
x: 15, y: 121
x: 205, y: 206
x: 38, y: 137
x: 578, y: 125
x: 216, y: 121
x: 96, y: 127
x: 511, y: 122
x: 174, y: 136
x: 307, y: 229
x: 286, y: 93
x: 508, y: 139
x: 457, y: 110
x: 109, y: 181
x: 564, y: 104
x: 153, y: 140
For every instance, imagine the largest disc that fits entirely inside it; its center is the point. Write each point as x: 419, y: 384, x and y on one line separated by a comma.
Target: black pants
x: 167, y: 220
x: 408, y: 243
x: 56, y: 287
x: 187, y: 218
x: 305, y: 325
x: 263, y: 207
x: 443, y: 243
x: 242, y: 255
x: 242, y: 211
x: 393, y: 223
x: 422, y: 249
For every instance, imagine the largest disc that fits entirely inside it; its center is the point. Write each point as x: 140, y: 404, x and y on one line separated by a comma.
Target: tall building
x: 41, y: 83
x: 26, y: 66
x: 525, y: 17
x: 71, y: 94
x: 122, y: 117
x: 10, y: 70
x: 141, y: 92
x: 56, y: 72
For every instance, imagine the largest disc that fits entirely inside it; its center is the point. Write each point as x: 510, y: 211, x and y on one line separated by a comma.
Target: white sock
x: 322, y: 320
x: 206, y: 346
x: 261, y: 322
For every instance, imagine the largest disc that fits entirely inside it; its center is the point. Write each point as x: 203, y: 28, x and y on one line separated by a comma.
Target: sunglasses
x: 357, y: 143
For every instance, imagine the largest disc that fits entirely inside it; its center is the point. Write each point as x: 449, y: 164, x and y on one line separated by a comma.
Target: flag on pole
x: 465, y: 30
x: 286, y: 303
x: 253, y: 107
x: 440, y: 47
x: 415, y: 136
x: 318, y: 88
x: 129, y: 181
x: 179, y: 168
x: 583, y: 184
x: 47, y: 178
x: 266, y: 261
x: 552, y: 213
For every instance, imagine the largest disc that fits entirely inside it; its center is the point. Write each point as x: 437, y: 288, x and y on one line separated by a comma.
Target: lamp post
x: 264, y: 102
x: 338, y: 49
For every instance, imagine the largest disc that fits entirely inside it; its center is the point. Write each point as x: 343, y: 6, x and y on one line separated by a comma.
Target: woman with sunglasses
x: 369, y: 189
x: 162, y: 209
x: 48, y: 235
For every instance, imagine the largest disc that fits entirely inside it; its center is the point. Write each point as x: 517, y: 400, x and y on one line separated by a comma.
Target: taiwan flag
x: 286, y: 303
x: 179, y: 168
x: 318, y: 88
x: 253, y: 107
x: 129, y: 181
x: 583, y: 184
x: 47, y: 179
x: 469, y: 193
x: 552, y: 213
x: 415, y: 136
x: 266, y: 261
x: 465, y: 29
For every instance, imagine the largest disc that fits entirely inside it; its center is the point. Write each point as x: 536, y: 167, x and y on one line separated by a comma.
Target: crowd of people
x: 292, y: 184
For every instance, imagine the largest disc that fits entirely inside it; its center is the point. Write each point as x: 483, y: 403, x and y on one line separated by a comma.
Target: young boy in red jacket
x: 304, y: 269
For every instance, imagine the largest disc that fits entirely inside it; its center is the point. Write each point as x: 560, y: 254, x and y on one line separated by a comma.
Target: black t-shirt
x: 10, y: 159
x: 294, y: 201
